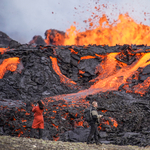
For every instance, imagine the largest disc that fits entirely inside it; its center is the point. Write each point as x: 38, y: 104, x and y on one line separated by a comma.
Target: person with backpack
x: 38, y: 122
x: 95, y: 119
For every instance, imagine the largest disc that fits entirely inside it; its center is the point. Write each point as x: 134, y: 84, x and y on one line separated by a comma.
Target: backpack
x: 87, y: 114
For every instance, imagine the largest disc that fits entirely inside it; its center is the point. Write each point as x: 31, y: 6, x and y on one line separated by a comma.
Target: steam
x: 21, y: 20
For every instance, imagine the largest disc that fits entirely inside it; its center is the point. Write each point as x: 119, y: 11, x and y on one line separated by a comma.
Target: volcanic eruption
x: 108, y: 63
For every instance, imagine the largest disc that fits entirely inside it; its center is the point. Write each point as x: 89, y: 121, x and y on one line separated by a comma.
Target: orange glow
x: 5, y: 107
x: 123, y: 31
x: 115, y: 124
x: 24, y: 120
x: 103, y: 111
x: 64, y: 106
x: 81, y: 72
x: 17, y: 129
x: 106, y: 122
x: 100, y: 127
x: 3, y: 50
x: 55, y: 126
x: 111, y: 79
x: 98, y: 55
x: 73, y: 51
x: 71, y: 36
x: 55, y: 36
x: 142, y: 88
x: 52, y: 117
x: 21, y: 132
x: 87, y: 57
x: 63, y: 78
x: 80, y: 123
x: 65, y: 115
x: 27, y: 114
x: 23, y: 109
x: 8, y: 64
x: 56, y: 138
x: 54, y: 111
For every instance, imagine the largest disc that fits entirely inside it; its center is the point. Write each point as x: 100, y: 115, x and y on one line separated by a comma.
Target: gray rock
x: 146, y: 70
x: 88, y: 65
x: 103, y: 134
x: 130, y: 134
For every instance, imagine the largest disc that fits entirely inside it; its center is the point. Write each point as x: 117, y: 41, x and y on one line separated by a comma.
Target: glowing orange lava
x: 110, y: 78
x: 8, y: 64
x: 87, y: 57
x: 3, y: 50
x: 56, y: 138
x: 63, y: 78
x: 124, y: 31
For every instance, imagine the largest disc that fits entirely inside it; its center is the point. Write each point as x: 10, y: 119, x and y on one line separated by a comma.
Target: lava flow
x: 63, y: 78
x: 8, y: 64
x: 110, y: 78
x: 3, y: 50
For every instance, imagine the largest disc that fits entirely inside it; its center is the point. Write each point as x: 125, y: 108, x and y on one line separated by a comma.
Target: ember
x: 124, y: 31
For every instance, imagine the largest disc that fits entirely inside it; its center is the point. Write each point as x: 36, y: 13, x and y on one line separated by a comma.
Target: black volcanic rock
x: 88, y: 65
x: 6, y: 41
x: 37, y: 40
x: 47, y: 71
x: 35, y: 80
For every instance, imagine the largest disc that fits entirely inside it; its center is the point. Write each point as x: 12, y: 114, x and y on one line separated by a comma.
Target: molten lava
x: 87, y: 57
x: 124, y: 31
x: 3, y: 50
x: 8, y: 64
x: 63, y: 78
x: 111, y: 78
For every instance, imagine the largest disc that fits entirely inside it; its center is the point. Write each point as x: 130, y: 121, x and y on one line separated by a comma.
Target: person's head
x: 41, y: 106
x: 94, y: 104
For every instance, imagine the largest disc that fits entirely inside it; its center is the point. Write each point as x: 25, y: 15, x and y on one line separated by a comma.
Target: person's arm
x: 34, y: 109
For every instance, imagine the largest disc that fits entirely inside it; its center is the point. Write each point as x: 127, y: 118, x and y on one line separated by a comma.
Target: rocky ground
x: 19, y: 143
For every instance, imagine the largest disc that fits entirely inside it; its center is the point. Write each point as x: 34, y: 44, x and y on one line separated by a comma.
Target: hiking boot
x: 40, y: 133
x: 98, y: 143
x: 89, y: 143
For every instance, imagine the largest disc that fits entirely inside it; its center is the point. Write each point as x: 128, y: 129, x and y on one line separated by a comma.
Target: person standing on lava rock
x: 38, y: 122
x: 95, y: 119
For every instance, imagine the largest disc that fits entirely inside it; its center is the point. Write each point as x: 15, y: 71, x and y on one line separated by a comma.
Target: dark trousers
x: 33, y: 133
x: 93, y: 131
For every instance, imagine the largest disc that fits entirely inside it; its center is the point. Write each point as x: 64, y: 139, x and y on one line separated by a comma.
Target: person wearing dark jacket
x: 38, y: 122
x: 95, y: 118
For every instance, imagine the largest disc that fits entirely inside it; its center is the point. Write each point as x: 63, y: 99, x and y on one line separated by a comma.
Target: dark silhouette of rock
x: 37, y: 40
x: 6, y: 41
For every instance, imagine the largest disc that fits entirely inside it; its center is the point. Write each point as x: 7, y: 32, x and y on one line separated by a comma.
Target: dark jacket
x: 94, y: 115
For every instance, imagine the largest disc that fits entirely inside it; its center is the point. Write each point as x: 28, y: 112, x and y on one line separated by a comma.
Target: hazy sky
x: 22, y: 19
